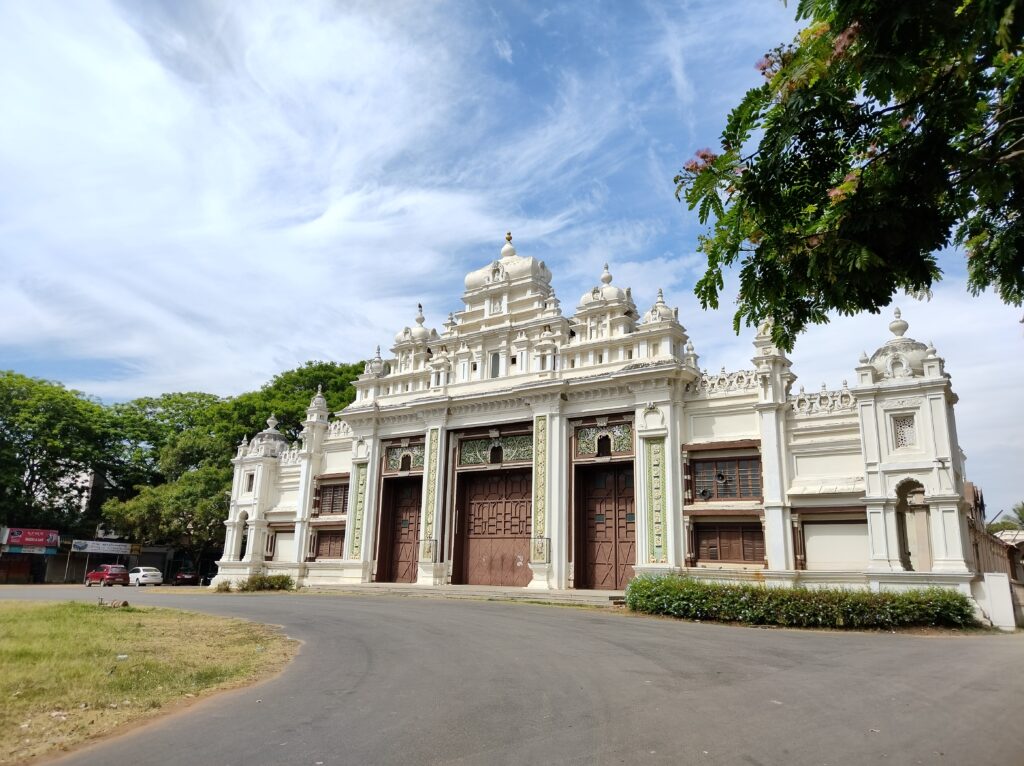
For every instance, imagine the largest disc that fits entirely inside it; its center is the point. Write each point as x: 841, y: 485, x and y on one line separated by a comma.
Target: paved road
x: 391, y: 680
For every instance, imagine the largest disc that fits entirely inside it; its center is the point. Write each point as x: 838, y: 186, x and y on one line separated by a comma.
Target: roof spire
x: 508, y: 250
x: 606, y: 277
x: 899, y: 325
x: 419, y: 314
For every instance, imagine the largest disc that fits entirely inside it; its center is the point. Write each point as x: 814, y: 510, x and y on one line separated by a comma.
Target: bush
x: 692, y: 599
x: 266, y: 582
x: 224, y: 586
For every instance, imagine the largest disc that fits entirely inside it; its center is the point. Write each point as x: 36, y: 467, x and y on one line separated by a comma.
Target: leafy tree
x: 886, y: 132
x: 201, y: 433
x: 1001, y: 525
x: 188, y: 512
x: 53, y: 442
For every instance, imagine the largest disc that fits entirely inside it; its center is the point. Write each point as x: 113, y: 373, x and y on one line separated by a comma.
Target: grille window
x: 904, y: 433
x: 727, y: 479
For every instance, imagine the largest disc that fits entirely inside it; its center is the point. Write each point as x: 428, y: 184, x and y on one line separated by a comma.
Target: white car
x: 140, y: 576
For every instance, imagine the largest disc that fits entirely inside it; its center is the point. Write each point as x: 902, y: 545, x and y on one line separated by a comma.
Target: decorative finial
x: 272, y: 422
x: 419, y: 314
x: 377, y: 354
x: 606, y: 277
x: 864, y: 359
x: 661, y: 296
x: 930, y: 350
x: 507, y: 250
x: 689, y: 347
x: 319, y: 389
x: 898, y: 326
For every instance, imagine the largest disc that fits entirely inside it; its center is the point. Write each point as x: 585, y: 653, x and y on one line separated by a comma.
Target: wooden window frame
x: 320, y: 534
x: 733, y: 477
x: 330, y: 489
x: 742, y: 527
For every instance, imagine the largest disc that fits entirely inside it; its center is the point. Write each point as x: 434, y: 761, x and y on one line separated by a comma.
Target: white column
x: 778, y: 535
x: 883, y: 538
x: 430, y: 568
x: 948, y: 535
x: 255, y: 546
x: 652, y: 484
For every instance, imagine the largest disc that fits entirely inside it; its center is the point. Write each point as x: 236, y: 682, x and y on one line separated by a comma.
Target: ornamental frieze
x: 393, y: 457
x: 514, y: 449
x: 619, y: 435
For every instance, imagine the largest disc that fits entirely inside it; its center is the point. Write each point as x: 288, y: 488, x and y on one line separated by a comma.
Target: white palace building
x: 515, y: 446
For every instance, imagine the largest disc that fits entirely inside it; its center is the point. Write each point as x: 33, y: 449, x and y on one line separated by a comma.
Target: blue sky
x: 199, y: 195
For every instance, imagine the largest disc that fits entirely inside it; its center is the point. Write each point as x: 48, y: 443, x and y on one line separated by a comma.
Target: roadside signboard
x: 101, y: 546
x: 22, y: 540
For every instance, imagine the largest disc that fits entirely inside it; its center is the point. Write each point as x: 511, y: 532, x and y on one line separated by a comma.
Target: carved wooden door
x: 608, y: 549
x: 401, y: 543
x: 496, y: 539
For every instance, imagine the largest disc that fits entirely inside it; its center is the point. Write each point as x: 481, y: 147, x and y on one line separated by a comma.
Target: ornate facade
x: 517, y: 446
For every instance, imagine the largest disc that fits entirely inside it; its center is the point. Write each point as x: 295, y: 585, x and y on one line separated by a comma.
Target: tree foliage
x: 162, y: 465
x: 200, y: 434
x: 886, y: 132
x: 52, y: 442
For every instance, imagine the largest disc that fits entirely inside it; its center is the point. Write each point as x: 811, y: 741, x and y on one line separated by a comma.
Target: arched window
x: 406, y: 463
x: 497, y: 455
x: 495, y: 365
x: 604, y: 446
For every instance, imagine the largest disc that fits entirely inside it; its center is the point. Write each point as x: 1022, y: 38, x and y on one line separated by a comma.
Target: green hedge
x: 266, y: 582
x: 692, y: 599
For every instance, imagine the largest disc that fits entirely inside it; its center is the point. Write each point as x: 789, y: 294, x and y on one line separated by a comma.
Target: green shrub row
x: 266, y: 582
x: 692, y: 599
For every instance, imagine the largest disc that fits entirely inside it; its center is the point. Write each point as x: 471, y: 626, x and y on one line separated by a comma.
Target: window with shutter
x: 730, y: 542
x: 727, y: 479
x: 330, y: 543
x: 333, y: 498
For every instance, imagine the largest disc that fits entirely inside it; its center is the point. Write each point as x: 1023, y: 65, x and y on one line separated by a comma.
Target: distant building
x: 520, y: 447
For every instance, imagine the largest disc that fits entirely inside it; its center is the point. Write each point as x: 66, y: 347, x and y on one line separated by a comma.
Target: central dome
x: 510, y: 266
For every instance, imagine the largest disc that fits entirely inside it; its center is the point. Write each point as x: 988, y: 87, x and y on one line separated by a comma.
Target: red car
x: 107, y: 574
x: 186, y: 577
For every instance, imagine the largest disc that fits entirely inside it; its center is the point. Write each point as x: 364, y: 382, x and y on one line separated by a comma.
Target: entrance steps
x: 593, y: 598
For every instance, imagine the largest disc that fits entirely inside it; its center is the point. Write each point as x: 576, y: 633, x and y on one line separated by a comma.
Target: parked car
x: 140, y: 576
x: 106, y: 575
x: 186, y: 577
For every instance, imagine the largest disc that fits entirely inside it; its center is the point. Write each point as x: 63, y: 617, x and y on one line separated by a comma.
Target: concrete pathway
x: 386, y: 680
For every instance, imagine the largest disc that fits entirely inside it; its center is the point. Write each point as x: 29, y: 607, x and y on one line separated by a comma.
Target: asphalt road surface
x: 397, y: 680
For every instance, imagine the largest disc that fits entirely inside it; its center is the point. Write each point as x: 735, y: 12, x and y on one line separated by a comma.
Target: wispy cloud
x: 199, y: 195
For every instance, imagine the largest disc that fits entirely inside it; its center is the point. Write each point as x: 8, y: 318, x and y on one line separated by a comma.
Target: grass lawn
x: 71, y: 672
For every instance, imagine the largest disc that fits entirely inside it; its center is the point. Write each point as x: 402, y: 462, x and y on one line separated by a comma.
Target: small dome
x: 376, y: 365
x: 659, y: 312
x: 900, y: 357
x: 318, y: 402
x: 604, y: 292
x: 415, y: 334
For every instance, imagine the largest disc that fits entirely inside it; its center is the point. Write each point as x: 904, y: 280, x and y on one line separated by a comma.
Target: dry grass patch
x: 73, y: 671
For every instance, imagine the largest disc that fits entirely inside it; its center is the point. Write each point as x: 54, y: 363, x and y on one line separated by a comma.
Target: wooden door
x: 400, y: 526
x: 608, y: 527
x: 496, y: 528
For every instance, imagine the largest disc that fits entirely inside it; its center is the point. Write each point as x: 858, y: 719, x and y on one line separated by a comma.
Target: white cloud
x: 504, y: 50
x: 202, y: 195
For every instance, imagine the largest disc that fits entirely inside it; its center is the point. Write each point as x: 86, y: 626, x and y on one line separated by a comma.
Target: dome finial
x: 508, y: 250
x: 419, y: 314
x: 661, y: 295
x: 899, y: 325
x: 606, y: 276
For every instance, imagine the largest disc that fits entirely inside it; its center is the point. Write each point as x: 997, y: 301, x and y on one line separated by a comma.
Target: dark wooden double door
x: 494, y: 528
x: 400, y: 530
x: 606, y: 526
